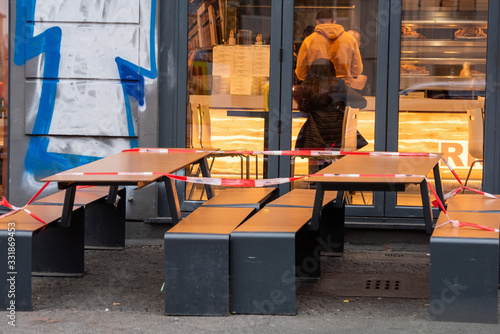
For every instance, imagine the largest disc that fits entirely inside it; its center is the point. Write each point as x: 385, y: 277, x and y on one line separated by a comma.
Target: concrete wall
x: 83, y: 86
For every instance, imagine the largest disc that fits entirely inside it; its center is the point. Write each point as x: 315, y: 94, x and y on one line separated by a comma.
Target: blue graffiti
x: 38, y: 160
x: 27, y: 47
x: 132, y: 76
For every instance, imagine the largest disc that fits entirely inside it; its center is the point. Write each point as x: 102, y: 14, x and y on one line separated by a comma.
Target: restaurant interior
x: 442, y: 76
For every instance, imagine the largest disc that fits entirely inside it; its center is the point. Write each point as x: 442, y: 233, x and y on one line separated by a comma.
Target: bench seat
x: 302, y: 198
x: 47, y: 250
x: 473, y: 202
x: 241, y: 197
x: 332, y: 232
x: 197, y: 261
x: 104, y: 221
x: 197, y: 252
x: 274, y: 247
x: 464, y: 269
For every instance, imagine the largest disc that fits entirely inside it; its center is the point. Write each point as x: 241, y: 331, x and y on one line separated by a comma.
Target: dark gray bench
x: 197, y: 252
x: 274, y: 247
x: 464, y: 269
x: 104, y: 221
x: 31, y: 248
x: 473, y: 203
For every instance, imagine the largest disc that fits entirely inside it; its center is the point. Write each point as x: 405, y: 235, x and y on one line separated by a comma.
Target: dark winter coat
x: 323, y: 128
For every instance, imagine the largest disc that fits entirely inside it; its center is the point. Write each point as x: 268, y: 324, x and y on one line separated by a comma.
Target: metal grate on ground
x: 383, y: 274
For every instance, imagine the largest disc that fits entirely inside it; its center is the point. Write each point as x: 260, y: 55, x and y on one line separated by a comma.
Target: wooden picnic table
x: 138, y: 168
x: 373, y: 172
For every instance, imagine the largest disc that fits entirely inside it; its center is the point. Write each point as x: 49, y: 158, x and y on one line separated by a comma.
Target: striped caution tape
x: 15, y: 209
x: 456, y: 223
x: 368, y: 175
x: 277, y: 181
x: 206, y: 180
x: 281, y: 152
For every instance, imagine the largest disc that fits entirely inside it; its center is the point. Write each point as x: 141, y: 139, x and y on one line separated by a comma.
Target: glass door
x: 4, y: 94
x: 247, y: 59
x: 344, y: 33
x: 229, y: 57
x: 442, y: 87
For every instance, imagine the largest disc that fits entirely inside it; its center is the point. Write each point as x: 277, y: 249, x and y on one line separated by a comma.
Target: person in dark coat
x: 324, y: 97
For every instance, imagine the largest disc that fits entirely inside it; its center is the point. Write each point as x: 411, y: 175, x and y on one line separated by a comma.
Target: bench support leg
x: 307, y: 256
x: 196, y: 274
x: 59, y: 251
x: 15, y: 286
x: 105, y: 224
x: 332, y: 226
x: 263, y: 273
x: 464, y: 279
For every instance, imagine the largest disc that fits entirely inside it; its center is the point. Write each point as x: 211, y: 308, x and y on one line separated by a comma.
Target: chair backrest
x: 476, y: 132
x: 205, y: 126
x: 201, y: 132
x: 350, y: 129
x: 194, y: 125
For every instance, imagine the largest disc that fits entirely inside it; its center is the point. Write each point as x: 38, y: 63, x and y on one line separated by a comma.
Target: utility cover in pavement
x: 373, y: 285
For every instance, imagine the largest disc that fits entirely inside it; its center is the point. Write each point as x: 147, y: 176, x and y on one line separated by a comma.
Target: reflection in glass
x: 4, y: 88
x: 228, y: 83
x: 443, y: 66
x: 351, y: 47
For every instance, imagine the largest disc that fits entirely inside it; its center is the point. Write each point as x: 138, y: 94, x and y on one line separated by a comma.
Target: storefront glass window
x: 4, y: 87
x: 352, y: 48
x: 228, y: 84
x: 442, y: 83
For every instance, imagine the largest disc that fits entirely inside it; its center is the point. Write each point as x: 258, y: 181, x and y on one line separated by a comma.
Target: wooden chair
x: 201, y: 137
x: 476, y: 135
x: 350, y: 129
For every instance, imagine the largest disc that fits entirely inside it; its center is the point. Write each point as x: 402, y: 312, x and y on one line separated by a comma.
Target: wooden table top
x: 129, y: 162
x: 473, y: 202
x: 417, y: 166
x: 480, y: 218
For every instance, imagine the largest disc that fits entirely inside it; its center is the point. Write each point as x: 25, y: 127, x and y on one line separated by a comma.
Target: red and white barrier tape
x: 17, y: 209
x: 282, y: 152
x: 276, y: 181
x: 456, y: 223
x: 368, y: 175
x: 206, y: 180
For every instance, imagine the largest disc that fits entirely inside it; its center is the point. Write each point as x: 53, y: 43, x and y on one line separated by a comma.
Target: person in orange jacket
x: 329, y: 40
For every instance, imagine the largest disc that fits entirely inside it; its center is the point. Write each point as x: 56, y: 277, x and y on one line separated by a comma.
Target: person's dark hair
x: 308, y: 30
x: 315, y: 91
x: 325, y: 15
x: 357, y: 34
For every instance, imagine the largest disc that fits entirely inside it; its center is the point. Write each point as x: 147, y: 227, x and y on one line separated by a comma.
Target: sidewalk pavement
x: 121, y: 292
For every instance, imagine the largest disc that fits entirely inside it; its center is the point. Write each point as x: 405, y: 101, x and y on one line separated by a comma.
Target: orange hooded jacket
x: 330, y: 41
